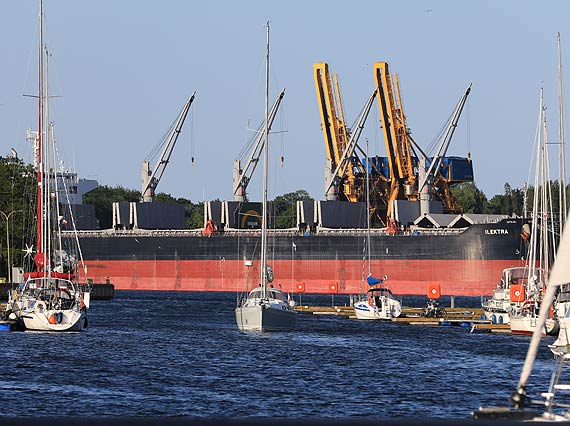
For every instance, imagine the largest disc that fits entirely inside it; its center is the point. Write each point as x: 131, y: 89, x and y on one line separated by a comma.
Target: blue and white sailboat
x: 378, y: 303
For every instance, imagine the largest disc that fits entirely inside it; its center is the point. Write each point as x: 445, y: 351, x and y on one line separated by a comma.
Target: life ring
x: 40, y: 307
x: 371, y: 301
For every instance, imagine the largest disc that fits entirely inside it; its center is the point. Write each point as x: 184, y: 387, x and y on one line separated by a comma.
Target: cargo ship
x: 466, y: 257
x: 421, y: 237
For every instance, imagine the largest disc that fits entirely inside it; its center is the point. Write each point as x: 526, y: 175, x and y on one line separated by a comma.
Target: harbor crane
x: 345, y: 176
x: 405, y: 166
x: 402, y: 174
x: 432, y: 179
x: 242, y: 176
x: 396, y: 135
x: 151, y: 178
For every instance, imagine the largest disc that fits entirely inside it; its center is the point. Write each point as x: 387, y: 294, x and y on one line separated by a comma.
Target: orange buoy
x: 300, y: 286
x: 517, y: 293
x: 434, y: 291
x: 52, y: 319
x: 333, y: 287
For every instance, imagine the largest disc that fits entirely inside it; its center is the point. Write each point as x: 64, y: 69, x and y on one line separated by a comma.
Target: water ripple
x: 171, y: 354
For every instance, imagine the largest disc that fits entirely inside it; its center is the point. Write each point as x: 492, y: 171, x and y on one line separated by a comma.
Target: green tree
x: 194, y: 214
x: 496, y: 205
x: 18, y: 186
x: 470, y: 198
x: 103, y: 198
x: 286, y: 208
x: 163, y: 197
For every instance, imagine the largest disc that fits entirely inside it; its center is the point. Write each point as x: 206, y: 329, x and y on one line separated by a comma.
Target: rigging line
x: 31, y: 55
x: 72, y: 218
x: 531, y: 255
x: 158, y: 147
x: 375, y: 131
x: 53, y: 69
x: 434, y: 142
x: 468, y: 127
x: 282, y: 135
x: 192, y: 135
x: 548, y: 202
x: 545, y: 198
x: 56, y: 172
x: 363, y: 262
x: 537, y: 136
x: 355, y: 122
x: 249, y: 144
x: 253, y: 97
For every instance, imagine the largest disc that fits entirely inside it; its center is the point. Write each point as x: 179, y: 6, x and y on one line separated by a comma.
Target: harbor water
x: 181, y: 354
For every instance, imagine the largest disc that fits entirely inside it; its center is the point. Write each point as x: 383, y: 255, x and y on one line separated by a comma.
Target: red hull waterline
x: 409, y: 277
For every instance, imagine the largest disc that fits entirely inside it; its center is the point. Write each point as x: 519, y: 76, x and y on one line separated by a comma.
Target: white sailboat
x: 378, y: 303
x: 554, y: 410
x: 266, y: 308
x: 524, y: 314
x: 508, y: 296
x: 50, y: 298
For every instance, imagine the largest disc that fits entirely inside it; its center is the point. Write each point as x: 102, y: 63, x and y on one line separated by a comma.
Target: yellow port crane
x: 344, y: 174
x: 410, y: 174
x: 396, y: 136
x: 402, y: 174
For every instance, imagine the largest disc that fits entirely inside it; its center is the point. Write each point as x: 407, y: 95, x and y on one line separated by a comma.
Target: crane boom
x: 344, y: 171
x: 241, y: 177
x: 150, y: 179
x: 332, y: 115
x: 396, y: 134
x: 332, y: 122
x: 347, y: 154
x: 446, y: 139
x: 394, y: 121
x: 404, y: 165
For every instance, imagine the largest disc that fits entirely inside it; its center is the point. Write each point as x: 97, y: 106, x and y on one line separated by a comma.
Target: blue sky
x: 125, y: 68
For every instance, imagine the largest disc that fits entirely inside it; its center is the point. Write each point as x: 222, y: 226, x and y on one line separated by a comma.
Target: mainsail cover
x: 372, y: 281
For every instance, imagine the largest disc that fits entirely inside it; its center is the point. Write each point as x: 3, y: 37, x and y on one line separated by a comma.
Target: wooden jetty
x: 463, y: 317
x: 491, y: 328
x: 346, y: 311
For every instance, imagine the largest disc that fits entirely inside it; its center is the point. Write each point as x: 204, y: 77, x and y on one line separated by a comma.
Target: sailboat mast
x: 265, y: 176
x: 562, y: 189
x: 544, y: 210
x: 532, y: 255
x: 39, y: 236
x: 367, y: 208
